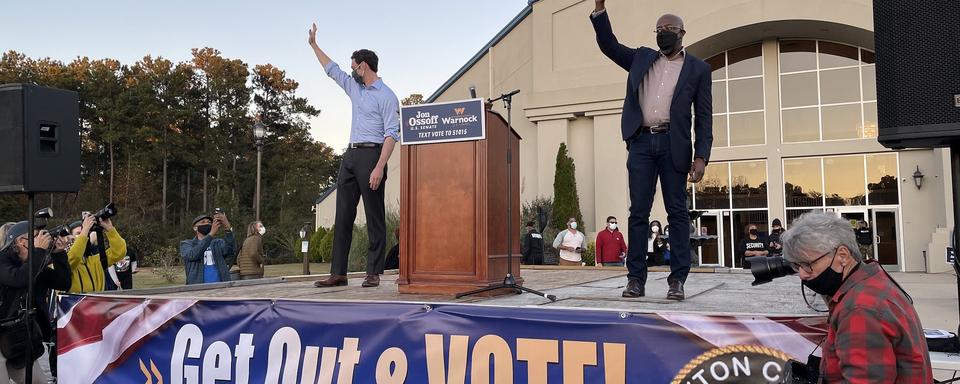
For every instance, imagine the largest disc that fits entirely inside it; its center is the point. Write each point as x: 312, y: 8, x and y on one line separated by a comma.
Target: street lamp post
x: 304, y: 246
x: 259, y: 132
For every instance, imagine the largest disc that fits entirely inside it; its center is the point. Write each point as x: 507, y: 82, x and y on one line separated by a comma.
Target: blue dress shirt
x: 376, y: 109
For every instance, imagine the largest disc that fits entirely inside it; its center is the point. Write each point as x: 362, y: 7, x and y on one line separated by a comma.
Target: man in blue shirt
x: 374, y: 130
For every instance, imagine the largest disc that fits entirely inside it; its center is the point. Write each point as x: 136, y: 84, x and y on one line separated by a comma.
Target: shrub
x: 316, y: 245
x: 566, y: 201
x: 361, y: 242
x: 589, y: 256
x: 165, y: 262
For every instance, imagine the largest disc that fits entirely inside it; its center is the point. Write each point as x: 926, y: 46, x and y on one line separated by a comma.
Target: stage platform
x: 710, y: 290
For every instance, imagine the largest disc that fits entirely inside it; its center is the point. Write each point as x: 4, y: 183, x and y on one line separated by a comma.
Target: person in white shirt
x: 570, y: 243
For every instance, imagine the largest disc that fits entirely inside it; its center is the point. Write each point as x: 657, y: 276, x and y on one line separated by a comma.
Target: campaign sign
x: 103, y: 339
x: 462, y: 120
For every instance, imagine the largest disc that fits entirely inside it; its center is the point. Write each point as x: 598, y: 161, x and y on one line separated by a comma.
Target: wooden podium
x: 453, y: 212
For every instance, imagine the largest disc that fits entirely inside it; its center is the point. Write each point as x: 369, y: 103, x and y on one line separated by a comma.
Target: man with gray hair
x: 874, y: 333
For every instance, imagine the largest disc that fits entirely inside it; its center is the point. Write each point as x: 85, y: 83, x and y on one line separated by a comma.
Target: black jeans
x: 648, y: 159
x: 353, y: 183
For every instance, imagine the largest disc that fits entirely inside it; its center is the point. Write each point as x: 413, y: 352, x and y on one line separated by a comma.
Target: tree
x: 566, y: 200
x: 413, y: 99
x: 149, y: 129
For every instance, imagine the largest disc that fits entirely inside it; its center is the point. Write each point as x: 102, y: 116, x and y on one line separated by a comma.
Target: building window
x: 827, y: 91
x: 882, y: 185
x: 838, y: 181
x: 738, y: 105
x: 734, y: 194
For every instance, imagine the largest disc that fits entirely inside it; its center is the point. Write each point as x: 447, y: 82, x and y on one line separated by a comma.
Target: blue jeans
x: 617, y: 264
x: 648, y: 159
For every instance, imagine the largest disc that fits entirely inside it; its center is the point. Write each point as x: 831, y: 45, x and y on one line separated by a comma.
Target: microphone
x: 473, y: 92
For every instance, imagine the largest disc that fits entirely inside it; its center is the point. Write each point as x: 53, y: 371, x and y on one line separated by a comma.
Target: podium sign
x: 462, y: 120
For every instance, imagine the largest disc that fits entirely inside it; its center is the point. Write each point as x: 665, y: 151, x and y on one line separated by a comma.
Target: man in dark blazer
x: 655, y: 124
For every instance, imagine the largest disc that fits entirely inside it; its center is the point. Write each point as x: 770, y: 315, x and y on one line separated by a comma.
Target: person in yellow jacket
x: 84, y: 256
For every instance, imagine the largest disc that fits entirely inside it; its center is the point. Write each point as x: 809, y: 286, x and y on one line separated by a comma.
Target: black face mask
x: 204, y: 229
x: 357, y: 77
x: 753, y: 232
x: 667, y: 40
x: 828, y: 282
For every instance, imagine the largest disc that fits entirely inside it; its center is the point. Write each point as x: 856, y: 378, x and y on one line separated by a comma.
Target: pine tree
x: 566, y: 200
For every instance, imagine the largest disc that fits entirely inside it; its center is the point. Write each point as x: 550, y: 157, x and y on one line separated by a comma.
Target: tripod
x: 509, y: 282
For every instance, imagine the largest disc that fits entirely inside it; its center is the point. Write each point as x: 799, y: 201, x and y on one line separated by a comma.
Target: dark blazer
x: 693, y: 86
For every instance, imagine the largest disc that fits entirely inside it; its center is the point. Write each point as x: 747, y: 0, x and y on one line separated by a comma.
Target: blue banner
x: 145, y: 340
x: 442, y: 122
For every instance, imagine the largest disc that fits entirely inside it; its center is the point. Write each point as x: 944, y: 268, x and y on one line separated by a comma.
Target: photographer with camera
x: 204, y: 257
x: 51, y: 272
x: 874, y: 333
x: 90, y: 255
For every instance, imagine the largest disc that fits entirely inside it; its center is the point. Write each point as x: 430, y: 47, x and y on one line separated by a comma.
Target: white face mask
x: 262, y: 230
x: 655, y: 229
x: 613, y: 226
x: 573, y: 225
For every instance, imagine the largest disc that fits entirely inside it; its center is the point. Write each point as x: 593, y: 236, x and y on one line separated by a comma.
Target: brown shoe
x: 676, y: 291
x: 371, y: 281
x: 332, y: 281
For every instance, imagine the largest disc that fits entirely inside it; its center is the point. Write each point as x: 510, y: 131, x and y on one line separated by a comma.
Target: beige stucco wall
x: 571, y: 93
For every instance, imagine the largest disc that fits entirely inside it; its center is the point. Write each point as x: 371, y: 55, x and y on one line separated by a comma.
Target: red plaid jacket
x: 875, y: 335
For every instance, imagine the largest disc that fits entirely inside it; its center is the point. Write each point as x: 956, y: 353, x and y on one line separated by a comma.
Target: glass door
x: 886, y: 246
x: 853, y: 215
x: 709, y: 251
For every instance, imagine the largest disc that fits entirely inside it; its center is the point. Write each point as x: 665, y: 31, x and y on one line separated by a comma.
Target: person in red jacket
x: 611, y: 250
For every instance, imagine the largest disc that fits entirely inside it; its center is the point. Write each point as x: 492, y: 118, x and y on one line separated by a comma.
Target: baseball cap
x: 201, y: 217
x: 14, y: 232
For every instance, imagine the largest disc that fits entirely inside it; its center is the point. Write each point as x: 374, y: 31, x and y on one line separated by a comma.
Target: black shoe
x: 634, y: 289
x: 676, y: 291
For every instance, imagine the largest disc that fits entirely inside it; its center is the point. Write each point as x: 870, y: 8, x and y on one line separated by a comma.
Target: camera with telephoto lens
x: 765, y: 269
x: 107, y: 212
x: 61, y: 231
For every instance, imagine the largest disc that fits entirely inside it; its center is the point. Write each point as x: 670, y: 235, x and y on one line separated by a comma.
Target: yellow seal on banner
x: 734, y: 364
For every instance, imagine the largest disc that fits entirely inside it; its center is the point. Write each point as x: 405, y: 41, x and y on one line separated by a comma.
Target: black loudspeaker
x: 39, y: 139
x: 918, y: 72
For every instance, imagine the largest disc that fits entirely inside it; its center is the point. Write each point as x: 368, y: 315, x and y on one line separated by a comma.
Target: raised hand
x: 313, y: 35
x: 43, y: 240
x: 599, y: 6
x: 87, y: 225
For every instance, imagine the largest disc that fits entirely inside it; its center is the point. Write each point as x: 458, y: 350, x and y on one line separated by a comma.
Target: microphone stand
x: 509, y: 282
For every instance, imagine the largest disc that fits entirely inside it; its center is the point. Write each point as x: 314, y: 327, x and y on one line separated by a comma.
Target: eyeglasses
x: 611, y: 222
x: 808, y: 267
x: 671, y: 28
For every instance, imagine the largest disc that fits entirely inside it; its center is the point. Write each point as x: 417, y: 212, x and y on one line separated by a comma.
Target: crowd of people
x: 91, y: 255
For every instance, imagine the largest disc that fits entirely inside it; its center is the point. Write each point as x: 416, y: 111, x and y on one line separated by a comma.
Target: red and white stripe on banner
x: 97, y: 331
x: 722, y: 331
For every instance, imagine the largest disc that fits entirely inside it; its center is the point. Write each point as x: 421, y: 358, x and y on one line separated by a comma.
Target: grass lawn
x: 145, y: 278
